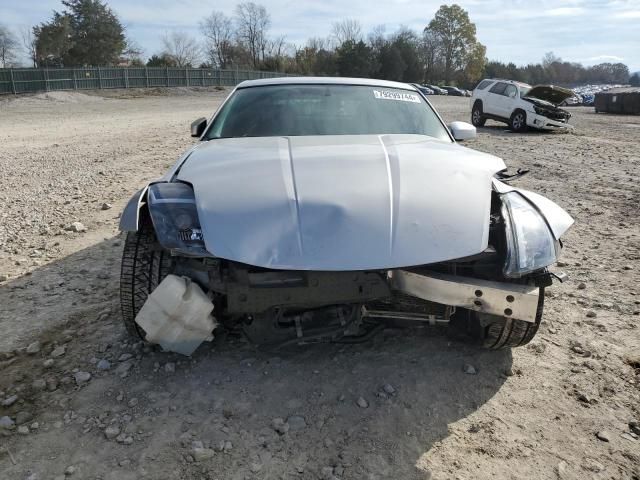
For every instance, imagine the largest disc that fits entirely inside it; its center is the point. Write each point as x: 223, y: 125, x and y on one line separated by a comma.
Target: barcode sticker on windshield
x: 392, y: 95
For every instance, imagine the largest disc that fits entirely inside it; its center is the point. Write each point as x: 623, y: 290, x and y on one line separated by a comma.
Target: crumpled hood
x: 341, y: 202
x: 550, y: 93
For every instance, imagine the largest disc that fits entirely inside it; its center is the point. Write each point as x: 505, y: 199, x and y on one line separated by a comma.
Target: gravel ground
x: 78, y: 399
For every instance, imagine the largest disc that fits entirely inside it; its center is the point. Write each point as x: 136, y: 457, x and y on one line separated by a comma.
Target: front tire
x: 518, y: 121
x: 494, y: 332
x: 477, y: 118
x: 144, y: 265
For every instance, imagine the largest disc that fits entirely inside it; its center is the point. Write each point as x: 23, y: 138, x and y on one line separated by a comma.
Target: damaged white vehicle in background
x: 519, y: 105
x: 321, y: 209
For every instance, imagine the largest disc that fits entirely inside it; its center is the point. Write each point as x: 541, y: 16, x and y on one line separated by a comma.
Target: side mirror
x: 462, y: 130
x: 198, y: 126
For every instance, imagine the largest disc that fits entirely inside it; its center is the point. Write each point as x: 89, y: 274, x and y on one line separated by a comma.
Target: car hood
x: 549, y: 93
x: 341, y: 202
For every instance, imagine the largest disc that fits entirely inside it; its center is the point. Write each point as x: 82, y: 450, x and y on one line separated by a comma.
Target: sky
x: 519, y: 31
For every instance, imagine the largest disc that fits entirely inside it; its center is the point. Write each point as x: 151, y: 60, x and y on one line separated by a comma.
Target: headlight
x: 530, y: 243
x: 540, y: 110
x: 175, y: 218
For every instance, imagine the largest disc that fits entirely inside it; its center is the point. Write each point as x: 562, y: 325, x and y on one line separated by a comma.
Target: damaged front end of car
x: 549, y: 111
x: 546, y: 100
x: 478, y: 295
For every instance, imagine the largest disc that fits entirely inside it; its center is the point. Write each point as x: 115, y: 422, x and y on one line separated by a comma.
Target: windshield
x: 524, y: 90
x: 295, y: 110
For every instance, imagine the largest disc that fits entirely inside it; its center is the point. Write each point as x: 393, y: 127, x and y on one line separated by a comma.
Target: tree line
x: 446, y: 50
x: 89, y: 33
x: 553, y: 69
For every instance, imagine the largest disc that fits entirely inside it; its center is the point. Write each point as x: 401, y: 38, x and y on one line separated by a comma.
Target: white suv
x: 519, y: 105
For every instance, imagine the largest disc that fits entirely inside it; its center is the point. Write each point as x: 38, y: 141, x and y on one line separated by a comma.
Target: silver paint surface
x: 341, y: 202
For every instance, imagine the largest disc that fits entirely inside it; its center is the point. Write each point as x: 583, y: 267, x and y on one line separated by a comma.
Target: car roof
x: 369, y: 82
x: 513, y: 82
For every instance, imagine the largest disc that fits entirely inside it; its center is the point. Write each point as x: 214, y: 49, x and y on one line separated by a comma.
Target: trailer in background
x: 625, y: 100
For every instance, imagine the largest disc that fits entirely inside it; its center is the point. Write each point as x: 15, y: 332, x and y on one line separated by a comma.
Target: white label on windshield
x: 393, y: 95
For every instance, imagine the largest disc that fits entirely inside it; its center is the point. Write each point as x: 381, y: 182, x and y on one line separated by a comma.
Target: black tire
x: 477, y: 118
x: 518, y: 121
x: 144, y: 265
x: 494, y: 332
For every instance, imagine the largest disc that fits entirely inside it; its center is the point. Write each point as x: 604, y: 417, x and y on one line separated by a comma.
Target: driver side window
x: 498, y: 88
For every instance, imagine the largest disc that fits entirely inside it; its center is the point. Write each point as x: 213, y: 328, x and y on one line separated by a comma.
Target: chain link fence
x: 25, y: 80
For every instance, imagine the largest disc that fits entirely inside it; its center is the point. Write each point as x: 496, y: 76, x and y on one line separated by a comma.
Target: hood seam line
x: 295, y: 196
x: 390, y: 184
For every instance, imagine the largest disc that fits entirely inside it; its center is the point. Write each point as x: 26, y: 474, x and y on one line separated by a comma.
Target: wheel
x: 144, y: 265
x: 476, y: 115
x: 495, y: 332
x: 518, y: 121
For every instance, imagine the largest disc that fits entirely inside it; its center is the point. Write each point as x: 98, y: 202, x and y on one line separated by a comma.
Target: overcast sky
x: 521, y: 31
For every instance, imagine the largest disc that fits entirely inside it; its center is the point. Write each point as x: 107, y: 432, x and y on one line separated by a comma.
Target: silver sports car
x: 320, y: 209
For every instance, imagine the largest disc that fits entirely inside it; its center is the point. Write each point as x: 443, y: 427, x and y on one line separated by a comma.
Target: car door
x: 495, y: 102
x: 509, y: 97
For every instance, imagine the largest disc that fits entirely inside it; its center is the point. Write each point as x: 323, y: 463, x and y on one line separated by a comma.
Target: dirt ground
x: 79, y: 399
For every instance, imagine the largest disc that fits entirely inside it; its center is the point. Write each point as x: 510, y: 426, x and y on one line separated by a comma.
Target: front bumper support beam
x: 496, y: 298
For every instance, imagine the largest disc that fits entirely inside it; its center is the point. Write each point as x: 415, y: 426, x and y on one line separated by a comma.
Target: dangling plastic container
x: 177, y: 315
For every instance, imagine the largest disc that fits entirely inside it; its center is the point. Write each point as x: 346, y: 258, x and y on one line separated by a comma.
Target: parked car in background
x: 437, y: 90
x: 455, y: 91
x: 322, y: 209
x: 587, y: 93
x: 519, y: 105
x: 423, y: 89
x: 595, y: 88
x: 573, y: 101
x: 588, y: 99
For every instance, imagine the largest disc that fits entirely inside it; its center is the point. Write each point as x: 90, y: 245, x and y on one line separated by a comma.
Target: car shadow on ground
x: 369, y: 410
x: 501, y: 129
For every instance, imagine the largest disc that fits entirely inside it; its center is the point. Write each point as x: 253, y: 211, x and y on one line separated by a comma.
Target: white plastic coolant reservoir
x: 177, y: 315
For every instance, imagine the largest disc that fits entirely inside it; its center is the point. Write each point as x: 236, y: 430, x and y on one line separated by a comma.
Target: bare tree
x: 377, y: 38
x: 182, y: 48
x: 377, y: 33
x: 277, y: 56
x: 132, y: 52
x: 253, y: 21
x: 318, y: 43
x: 347, y: 30
x: 218, y: 30
x: 29, y: 45
x: 549, y: 59
x: 276, y: 47
x: 8, y: 47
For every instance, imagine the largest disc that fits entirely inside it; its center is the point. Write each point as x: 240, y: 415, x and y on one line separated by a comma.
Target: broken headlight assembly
x: 541, y: 111
x: 175, y: 218
x: 530, y: 245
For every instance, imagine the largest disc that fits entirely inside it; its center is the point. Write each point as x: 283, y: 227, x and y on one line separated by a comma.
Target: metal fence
x: 24, y: 80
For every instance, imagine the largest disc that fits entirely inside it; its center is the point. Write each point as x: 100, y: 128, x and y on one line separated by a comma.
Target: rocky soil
x: 80, y: 399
